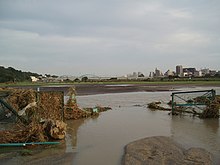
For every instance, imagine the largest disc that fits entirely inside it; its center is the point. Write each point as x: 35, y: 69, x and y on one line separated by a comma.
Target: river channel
x: 101, y: 140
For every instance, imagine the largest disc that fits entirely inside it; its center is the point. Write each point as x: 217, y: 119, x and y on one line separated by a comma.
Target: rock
x: 197, y: 156
x: 160, y: 150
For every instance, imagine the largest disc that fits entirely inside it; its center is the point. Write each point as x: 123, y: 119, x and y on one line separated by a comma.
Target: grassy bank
x: 189, y: 82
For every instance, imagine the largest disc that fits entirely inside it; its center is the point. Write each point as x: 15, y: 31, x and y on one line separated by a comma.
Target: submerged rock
x: 162, y: 150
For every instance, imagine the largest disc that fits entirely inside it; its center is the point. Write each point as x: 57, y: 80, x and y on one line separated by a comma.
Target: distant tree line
x: 12, y: 75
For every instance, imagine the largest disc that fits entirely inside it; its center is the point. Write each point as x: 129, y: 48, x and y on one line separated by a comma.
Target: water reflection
x: 72, y: 132
x: 212, y: 124
x: 194, y: 132
x: 71, y: 137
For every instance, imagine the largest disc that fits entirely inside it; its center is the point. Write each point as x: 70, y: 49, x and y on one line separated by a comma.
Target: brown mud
x: 92, y: 89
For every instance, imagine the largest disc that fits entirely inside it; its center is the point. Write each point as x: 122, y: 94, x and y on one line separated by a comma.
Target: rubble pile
x: 72, y: 110
x: 20, y: 98
x: 43, y: 112
x: 96, y: 110
x: 103, y: 109
x: 20, y: 134
x: 51, y: 105
x: 40, y: 105
x: 56, y: 129
x: 75, y: 113
x: 212, y: 110
x: 34, y: 132
x: 201, y: 99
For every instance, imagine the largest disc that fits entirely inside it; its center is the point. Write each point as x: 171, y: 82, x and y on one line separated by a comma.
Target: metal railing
x: 206, y: 97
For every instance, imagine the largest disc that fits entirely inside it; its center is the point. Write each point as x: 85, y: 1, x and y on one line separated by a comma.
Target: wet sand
x: 118, y: 88
x: 92, y: 89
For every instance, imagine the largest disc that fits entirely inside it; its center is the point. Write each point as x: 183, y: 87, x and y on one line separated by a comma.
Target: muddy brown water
x: 101, y: 140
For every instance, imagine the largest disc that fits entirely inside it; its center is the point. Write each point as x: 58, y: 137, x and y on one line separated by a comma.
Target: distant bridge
x: 89, y: 76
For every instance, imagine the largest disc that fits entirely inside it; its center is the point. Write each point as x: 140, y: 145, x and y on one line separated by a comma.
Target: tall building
x: 151, y: 75
x: 189, y: 71
x: 179, y: 70
x: 198, y: 73
x: 158, y: 73
x: 205, y: 71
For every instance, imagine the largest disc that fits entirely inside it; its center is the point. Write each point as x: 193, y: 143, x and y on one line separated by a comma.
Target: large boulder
x: 160, y: 150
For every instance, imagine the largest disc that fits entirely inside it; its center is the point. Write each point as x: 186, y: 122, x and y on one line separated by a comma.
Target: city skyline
x: 108, y: 38
x: 132, y: 74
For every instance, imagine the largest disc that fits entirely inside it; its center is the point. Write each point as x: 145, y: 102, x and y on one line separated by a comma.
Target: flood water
x: 101, y: 140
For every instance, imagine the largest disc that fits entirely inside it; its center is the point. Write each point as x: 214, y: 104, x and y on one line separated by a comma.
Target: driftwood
x: 43, y: 111
x: 212, y: 110
x: 73, y: 111
x: 156, y: 106
x: 55, y: 129
x: 35, y: 107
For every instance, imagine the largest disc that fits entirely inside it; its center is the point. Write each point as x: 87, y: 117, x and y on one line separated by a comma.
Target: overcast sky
x: 109, y: 37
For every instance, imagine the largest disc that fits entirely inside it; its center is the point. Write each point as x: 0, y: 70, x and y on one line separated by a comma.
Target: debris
x: 169, y: 103
x: 33, y: 132
x: 55, y: 129
x: 22, y: 112
x: 156, y: 106
x: 50, y: 105
x: 138, y: 105
x: 201, y: 99
x: 103, y: 109
x: 44, y: 114
x: 35, y: 107
x: 20, y: 98
x: 212, y: 110
x: 72, y: 110
x: 204, y: 105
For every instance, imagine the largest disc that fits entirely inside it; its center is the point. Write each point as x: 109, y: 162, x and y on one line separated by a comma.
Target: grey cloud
x: 124, y: 34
